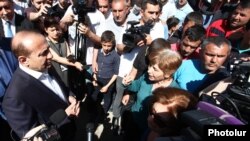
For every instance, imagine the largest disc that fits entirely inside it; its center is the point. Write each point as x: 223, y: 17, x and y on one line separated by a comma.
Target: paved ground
x: 103, y: 131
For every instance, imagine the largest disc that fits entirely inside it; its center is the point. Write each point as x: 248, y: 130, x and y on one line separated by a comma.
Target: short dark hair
x: 108, y: 36
x: 195, y: 33
x: 244, y: 4
x: 153, y: 2
x: 195, y: 16
x: 172, y: 21
x: 50, y: 21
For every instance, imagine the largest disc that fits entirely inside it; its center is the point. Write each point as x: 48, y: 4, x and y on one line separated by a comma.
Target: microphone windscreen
x: 57, y: 117
x: 90, y: 127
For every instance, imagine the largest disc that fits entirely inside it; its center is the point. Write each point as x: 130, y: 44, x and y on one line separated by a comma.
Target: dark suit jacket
x: 28, y: 103
x: 9, y: 63
x: 10, y: 60
x: 21, y: 23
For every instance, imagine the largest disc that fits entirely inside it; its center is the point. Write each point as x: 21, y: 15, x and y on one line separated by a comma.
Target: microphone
x: 58, y: 117
x: 90, y: 130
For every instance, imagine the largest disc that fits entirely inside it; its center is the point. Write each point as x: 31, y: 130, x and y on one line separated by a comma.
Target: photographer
x: 150, y: 12
x: 61, y: 7
x: 37, y: 10
x: 36, y: 13
x: 82, y: 21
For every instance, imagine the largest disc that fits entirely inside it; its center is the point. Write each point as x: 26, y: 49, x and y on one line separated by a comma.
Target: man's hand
x: 74, y: 108
x: 32, y: 132
x: 94, y: 67
x: 44, y: 9
x: 83, y: 29
x: 79, y: 66
x: 127, y: 80
x: 104, y: 89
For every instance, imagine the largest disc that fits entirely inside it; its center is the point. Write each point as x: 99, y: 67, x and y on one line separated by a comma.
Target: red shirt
x: 221, y: 28
x: 194, y: 55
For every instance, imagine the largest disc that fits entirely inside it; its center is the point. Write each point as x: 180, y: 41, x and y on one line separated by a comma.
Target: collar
x: 35, y: 74
x: 105, y: 53
x: 12, y: 21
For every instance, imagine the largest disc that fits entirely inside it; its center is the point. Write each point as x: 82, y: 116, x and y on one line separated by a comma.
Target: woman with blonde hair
x: 163, y: 63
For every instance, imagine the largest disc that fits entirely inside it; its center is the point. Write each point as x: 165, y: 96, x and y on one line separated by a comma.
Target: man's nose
x: 154, y: 16
x: 187, y: 49
x: 117, y: 14
x: 214, y: 59
x: 4, y: 11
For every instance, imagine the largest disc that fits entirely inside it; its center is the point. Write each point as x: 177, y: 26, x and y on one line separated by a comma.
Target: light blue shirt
x: 189, y: 75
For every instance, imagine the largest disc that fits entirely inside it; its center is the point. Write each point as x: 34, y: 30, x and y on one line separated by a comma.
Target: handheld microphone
x: 90, y: 130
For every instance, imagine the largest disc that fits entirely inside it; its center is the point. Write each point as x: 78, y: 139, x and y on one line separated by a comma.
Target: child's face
x: 53, y: 32
x: 107, y: 47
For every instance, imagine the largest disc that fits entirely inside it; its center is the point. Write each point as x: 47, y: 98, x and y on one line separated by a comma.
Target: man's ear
x: 23, y: 60
x: 141, y: 12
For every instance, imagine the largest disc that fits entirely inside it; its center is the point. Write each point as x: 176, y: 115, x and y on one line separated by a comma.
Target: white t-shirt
x: 96, y: 18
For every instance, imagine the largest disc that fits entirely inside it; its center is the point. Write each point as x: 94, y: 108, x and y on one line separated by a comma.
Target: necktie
x: 8, y: 32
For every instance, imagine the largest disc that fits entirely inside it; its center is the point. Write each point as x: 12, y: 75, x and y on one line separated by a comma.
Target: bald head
x: 32, y: 50
x: 23, y: 42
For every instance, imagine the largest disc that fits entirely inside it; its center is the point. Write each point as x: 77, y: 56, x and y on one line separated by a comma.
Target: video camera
x: 81, y: 9
x: 47, y: 134
x: 238, y: 102
x: 240, y: 71
x: 135, y: 34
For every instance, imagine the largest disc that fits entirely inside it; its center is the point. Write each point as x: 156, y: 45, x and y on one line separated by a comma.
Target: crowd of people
x: 55, y: 53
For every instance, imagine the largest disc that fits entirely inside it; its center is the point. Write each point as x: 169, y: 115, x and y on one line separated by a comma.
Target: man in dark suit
x: 8, y: 65
x: 35, y: 92
x: 16, y: 21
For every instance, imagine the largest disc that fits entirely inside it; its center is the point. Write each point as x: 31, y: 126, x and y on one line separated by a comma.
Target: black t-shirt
x: 141, y: 62
x: 59, y: 11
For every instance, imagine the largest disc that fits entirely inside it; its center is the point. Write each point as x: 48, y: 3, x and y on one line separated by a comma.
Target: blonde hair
x: 167, y: 60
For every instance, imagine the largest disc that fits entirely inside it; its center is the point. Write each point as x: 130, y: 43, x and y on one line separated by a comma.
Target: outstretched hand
x: 74, y: 108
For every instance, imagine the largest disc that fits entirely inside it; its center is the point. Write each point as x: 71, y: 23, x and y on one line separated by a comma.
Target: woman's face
x: 155, y: 73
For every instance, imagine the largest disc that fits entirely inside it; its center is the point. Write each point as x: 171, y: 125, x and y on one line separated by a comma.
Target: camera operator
x: 61, y: 7
x: 36, y: 13
x: 104, y: 7
x: 37, y: 10
x: 240, y: 51
x: 150, y: 12
x: 83, y: 16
